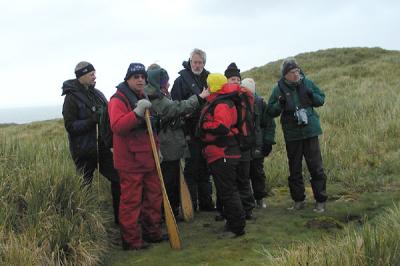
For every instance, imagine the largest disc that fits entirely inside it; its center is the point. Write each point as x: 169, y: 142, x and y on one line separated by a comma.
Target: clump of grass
x: 372, y: 245
x: 46, y: 217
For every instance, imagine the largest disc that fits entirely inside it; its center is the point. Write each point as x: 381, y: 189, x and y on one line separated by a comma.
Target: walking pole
x: 98, y: 159
x: 186, y: 200
x: 172, y: 228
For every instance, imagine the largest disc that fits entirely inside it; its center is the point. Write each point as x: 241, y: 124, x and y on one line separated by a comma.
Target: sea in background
x: 22, y: 115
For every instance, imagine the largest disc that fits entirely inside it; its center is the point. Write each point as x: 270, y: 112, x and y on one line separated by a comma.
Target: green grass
x: 46, y: 219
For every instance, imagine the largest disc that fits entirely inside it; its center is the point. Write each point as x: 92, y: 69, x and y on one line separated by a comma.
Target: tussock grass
x: 46, y: 219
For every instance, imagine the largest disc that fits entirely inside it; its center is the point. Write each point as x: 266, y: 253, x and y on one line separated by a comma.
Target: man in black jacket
x: 83, y: 105
x: 192, y: 80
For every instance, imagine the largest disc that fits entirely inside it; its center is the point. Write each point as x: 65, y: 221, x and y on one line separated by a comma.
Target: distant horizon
x: 22, y: 115
x: 30, y: 106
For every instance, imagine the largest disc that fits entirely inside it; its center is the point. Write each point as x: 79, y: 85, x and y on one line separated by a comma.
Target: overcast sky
x: 43, y: 40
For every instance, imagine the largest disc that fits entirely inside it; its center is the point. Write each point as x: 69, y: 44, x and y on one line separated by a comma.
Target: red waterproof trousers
x: 140, y: 206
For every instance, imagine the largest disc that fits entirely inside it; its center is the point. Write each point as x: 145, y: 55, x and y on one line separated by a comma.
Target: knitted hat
x: 135, y: 68
x: 215, y: 82
x: 232, y: 71
x: 249, y: 84
x: 287, y: 65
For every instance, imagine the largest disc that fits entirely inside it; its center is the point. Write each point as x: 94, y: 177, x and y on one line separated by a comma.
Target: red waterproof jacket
x: 219, y: 127
x: 131, y: 142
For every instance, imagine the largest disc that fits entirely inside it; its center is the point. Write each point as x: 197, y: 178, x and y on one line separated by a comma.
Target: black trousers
x: 170, y: 171
x: 258, y: 178
x: 197, y: 177
x: 244, y: 187
x: 86, y: 165
x: 225, y: 179
x: 309, y: 148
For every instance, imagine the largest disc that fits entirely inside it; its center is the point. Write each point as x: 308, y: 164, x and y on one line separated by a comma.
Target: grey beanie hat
x: 287, y: 65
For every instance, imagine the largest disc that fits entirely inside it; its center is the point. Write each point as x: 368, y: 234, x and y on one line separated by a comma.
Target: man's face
x: 136, y: 83
x: 293, y: 75
x: 234, y: 80
x: 88, y: 79
x: 197, y: 64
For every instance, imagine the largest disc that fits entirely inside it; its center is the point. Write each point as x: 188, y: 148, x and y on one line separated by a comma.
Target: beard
x: 197, y: 72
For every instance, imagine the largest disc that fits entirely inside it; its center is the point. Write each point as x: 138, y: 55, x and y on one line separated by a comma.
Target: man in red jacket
x: 140, y: 205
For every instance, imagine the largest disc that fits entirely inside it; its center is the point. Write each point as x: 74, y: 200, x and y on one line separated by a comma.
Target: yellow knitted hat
x: 215, y: 81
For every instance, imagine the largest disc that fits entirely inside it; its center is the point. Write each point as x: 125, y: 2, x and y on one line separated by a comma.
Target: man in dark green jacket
x: 294, y: 99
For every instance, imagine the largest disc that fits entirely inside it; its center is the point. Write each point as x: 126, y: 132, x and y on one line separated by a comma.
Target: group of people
x: 199, y: 122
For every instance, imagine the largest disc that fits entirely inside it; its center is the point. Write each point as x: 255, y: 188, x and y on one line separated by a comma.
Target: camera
x: 301, y: 117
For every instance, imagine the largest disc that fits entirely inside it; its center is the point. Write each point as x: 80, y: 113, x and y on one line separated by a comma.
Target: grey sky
x: 43, y: 40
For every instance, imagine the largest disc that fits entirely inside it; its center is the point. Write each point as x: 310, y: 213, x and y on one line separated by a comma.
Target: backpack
x: 244, y: 103
x: 105, y: 126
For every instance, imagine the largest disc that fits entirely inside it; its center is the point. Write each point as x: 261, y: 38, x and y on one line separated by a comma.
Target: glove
x: 309, y: 93
x: 282, y: 100
x: 266, y: 149
x: 141, y: 107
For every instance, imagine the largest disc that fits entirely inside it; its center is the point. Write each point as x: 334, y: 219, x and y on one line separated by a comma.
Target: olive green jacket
x: 173, y: 145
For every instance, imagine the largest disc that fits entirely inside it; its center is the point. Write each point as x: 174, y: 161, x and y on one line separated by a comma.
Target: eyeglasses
x: 294, y: 71
x: 138, y: 76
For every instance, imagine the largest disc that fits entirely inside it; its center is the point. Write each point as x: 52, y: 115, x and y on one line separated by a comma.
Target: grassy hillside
x: 45, y: 219
x: 360, y: 120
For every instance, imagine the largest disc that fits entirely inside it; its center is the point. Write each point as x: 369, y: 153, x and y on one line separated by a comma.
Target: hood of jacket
x: 71, y: 85
x: 154, y: 77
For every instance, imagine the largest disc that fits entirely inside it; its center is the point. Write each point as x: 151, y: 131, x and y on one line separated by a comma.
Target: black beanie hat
x: 232, y: 71
x: 84, y: 70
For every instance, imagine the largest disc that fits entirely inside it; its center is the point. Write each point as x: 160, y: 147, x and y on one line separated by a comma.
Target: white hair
x: 200, y: 53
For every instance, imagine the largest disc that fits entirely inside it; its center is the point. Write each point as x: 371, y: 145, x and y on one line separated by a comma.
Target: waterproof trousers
x: 170, y: 171
x: 309, y: 149
x: 258, y: 178
x: 225, y: 179
x: 140, y: 207
x: 198, y: 178
x: 244, y: 187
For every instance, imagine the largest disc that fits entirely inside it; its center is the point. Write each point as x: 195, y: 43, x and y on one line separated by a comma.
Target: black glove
x: 266, y: 149
x: 309, y: 93
x: 282, y: 100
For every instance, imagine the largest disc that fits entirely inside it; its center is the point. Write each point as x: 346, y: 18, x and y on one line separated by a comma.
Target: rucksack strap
x: 116, y: 95
x: 80, y: 97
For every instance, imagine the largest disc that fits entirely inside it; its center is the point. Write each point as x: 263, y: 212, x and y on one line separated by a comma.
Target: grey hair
x: 81, y: 65
x: 199, y: 52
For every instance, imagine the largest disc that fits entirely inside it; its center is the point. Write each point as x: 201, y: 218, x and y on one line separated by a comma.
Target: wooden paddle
x: 172, y: 227
x: 186, y: 200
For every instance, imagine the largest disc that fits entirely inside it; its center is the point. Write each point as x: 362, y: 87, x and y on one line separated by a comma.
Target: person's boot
x: 219, y: 217
x: 298, y: 205
x: 127, y: 246
x: 164, y: 237
x: 261, y: 204
x: 319, y: 207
